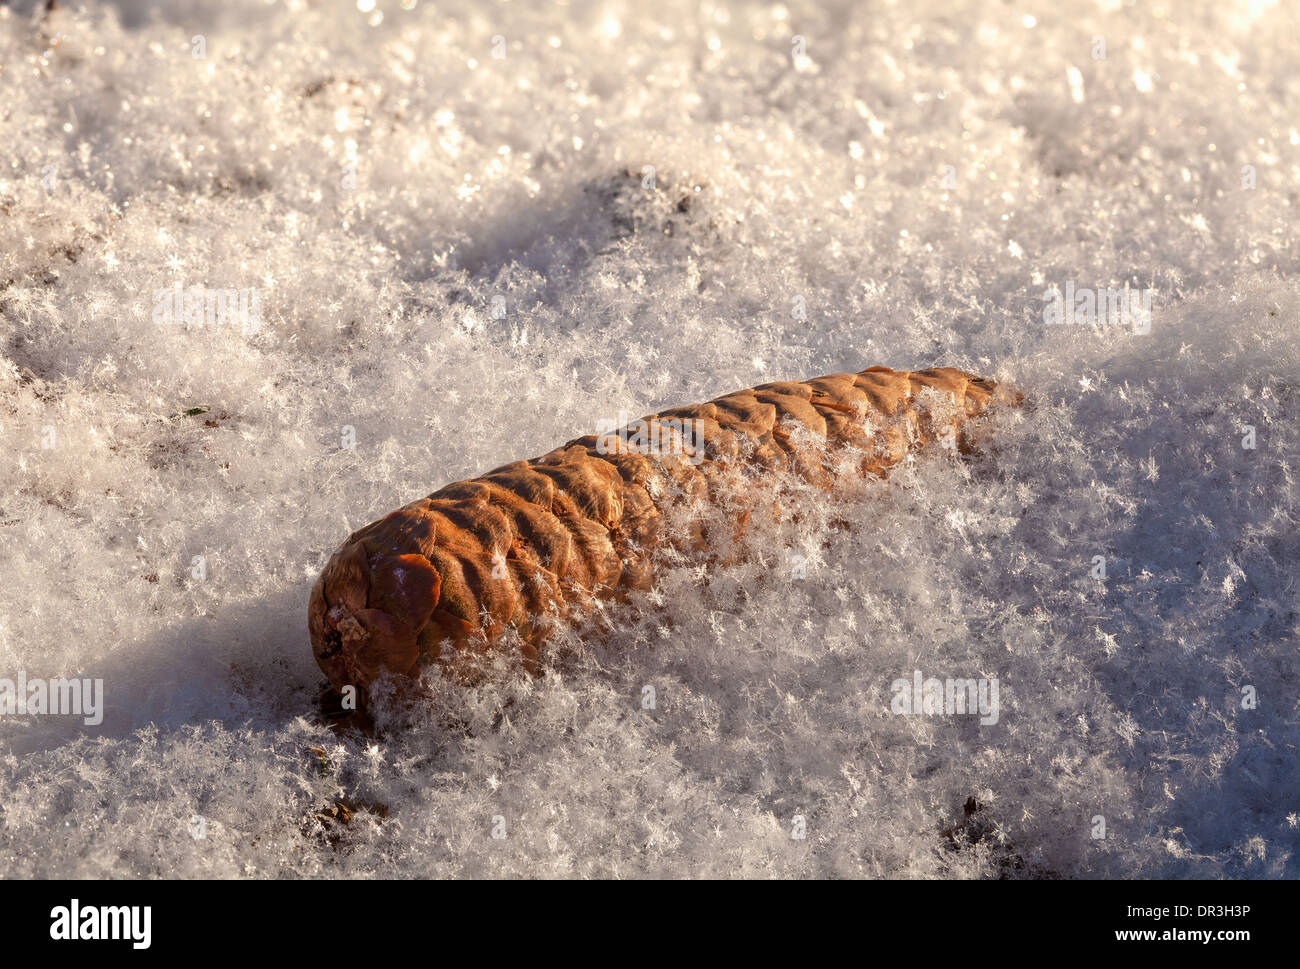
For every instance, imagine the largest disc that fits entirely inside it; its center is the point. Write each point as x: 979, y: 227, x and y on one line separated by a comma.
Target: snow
x: 462, y: 259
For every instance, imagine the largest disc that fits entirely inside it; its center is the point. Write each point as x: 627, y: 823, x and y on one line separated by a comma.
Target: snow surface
x: 379, y: 177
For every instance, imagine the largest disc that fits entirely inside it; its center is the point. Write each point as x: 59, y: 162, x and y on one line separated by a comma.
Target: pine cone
x: 521, y: 546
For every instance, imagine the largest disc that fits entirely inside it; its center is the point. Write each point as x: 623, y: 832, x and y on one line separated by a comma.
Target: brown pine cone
x: 522, y: 545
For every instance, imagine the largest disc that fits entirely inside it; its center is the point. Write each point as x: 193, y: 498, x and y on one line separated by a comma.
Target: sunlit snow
x: 426, y: 239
